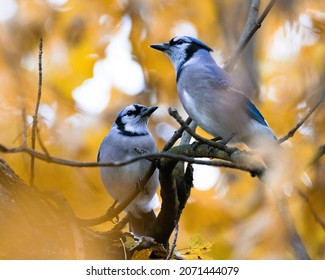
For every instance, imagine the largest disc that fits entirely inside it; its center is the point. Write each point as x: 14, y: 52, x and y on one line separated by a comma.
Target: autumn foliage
x: 95, y: 61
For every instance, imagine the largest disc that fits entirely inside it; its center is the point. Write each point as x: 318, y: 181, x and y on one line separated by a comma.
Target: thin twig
x: 177, y: 117
x: 251, y: 20
x: 35, y: 116
x: 292, y: 132
x: 177, y: 134
x: 186, y: 138
x: 242, y: 44
x: 40, y: 141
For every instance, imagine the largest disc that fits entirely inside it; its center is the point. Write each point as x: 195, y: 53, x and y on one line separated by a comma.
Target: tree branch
x: 154, y: 156
x: 245, y: 38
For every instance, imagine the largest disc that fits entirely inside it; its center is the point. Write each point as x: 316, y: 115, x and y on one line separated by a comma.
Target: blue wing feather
x: 98, y: 156
x: 255, y: 113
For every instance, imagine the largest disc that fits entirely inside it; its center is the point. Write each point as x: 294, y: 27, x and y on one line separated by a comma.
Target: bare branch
x: 251, y: 20
x: 177, y: 134
x: 246, y: 37
x: 35, y: 116
x: 292, y: 132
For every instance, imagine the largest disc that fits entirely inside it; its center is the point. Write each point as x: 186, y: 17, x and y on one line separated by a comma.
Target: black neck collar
x: 131, y: 134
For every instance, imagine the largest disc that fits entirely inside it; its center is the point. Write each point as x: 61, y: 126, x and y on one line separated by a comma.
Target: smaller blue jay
x: 129, y: 133
x: 208, y: 94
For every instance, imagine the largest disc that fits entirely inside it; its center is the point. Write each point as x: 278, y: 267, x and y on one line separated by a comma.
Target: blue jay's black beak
x: 148, y: 111
x: 160, y: 47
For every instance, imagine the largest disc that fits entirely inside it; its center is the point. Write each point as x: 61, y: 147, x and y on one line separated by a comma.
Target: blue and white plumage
x: 208, y: 94
x: 128, y: 134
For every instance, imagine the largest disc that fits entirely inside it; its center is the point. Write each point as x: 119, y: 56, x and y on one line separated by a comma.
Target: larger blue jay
x: 128, y: 133
x: 208, y: 95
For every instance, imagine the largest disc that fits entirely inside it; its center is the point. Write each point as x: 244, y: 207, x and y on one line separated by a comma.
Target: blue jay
x: 129, y: 133
x: 208, y: 94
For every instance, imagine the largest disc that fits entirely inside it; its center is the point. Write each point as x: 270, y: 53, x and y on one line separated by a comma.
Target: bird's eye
x: 176, y: 42
x: 129, y: 113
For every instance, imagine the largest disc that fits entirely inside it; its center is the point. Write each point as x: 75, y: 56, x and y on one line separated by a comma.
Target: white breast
x: 202, y: 116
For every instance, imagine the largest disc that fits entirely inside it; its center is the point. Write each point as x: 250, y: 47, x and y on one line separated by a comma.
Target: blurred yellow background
x: 96, y: 61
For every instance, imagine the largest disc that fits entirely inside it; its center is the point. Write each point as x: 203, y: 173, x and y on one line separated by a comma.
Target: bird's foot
x: 210, y: 149
x: 225, y: 141
x: 110, y: 211
x: 116, y: 220
x: 195, y: 145
x: 215, y: 139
